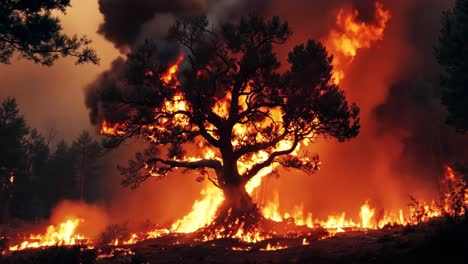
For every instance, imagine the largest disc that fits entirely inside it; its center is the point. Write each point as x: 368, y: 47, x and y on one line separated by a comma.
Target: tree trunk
x: 238, y: 211
x: 237, y: 199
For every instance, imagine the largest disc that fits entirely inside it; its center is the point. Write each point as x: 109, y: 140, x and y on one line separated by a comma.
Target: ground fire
x: 65, y: 233
x: 218, y: 104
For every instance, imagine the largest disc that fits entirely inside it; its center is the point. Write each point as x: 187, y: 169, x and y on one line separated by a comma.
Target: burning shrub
x: 113, y: 234
x: 455, y: 193
x: 419, y: 211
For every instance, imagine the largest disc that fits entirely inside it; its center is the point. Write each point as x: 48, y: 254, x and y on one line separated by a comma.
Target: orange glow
x: 269, y: 247
x: 63, y: 234
x: 351, y: 35
x: 241, y: 248
x: 111, y: 129
x: 453, y: 185
x: 170, y: 74
x: 366, y: 215
x: 203, y: 211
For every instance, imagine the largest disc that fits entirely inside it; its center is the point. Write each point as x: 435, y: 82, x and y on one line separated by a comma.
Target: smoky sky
x: 413, y: 105
x: 123, y: 19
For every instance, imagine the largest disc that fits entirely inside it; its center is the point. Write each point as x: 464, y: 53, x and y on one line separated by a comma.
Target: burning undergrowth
x: 271, y: 234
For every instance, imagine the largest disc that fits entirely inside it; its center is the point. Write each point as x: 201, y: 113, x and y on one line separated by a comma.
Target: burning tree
x: 225, y: 97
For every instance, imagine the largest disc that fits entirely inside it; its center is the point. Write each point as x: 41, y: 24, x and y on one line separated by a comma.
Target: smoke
x: 124, y: 19
x: 106, y: 81
x: 413, y: 105
x: 127, y: 21
x: 366, y: 10
x: 412, y: 109
x: 95, y: 219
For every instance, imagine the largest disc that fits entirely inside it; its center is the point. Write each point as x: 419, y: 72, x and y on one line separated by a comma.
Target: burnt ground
x: 433, y: 242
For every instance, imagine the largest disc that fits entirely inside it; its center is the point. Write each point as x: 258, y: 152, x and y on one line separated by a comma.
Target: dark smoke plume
x: 124, y: 19
x: 413, y: 105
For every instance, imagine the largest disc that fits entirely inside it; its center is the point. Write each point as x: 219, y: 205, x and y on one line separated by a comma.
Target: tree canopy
x: 452, y: 55
x: 29, y: 29
x: 13, y: 129
x: 87, y: 151
x: 224, y: 88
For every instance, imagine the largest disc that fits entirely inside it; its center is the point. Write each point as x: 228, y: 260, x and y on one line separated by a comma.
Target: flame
x: 177, y: 103
x: 269, y: 247
x: 366, y: 215
x: 63, y: 234
x: 351, y: 35
x: 171, y: 73
x: 132, y: 240
x: 241, y: 248
x: 449, y: 176
x: 114, y: 252
x: 203, y: 211
x: 111, y: 129
x: 340, y: 223
x: 158, y: 233
x: 453, y: 185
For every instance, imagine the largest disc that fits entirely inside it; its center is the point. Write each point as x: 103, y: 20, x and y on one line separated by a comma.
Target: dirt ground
x: 434, y: 242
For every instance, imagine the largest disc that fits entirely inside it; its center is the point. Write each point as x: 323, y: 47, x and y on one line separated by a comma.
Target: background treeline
x: 37, y: 171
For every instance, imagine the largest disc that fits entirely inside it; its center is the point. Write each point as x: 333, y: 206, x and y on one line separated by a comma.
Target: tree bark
x: 238, y: 211
x: 237, y: 198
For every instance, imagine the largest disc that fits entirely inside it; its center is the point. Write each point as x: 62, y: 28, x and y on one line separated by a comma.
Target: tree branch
x: 214, y: 164
x: 259, y: 166
x: 260, y: 146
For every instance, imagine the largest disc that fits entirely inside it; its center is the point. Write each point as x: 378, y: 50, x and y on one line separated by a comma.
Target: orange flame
x: 351, y: 35
x: 64, y: 234
x: 203, y: 211
x: 269, y: 247
x: 366, y: 215
x: 111, y: 129
x: 171, y: 73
